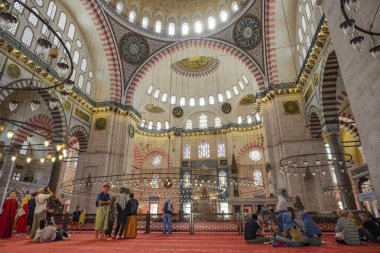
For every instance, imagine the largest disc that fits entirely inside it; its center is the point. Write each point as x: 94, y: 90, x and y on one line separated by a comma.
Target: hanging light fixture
x: 34, y: 105
x: 42, y: 160
x: 352, y: 5
x: 60, y: 157
x: 8, y: 20
x: 46, y: 143
x: 13, y: 158
x: 357, y: 43
x: 43, y: 46
x: 29, y: 138
x: 28, y: 159
x: 64, y: 95
x: 375, y: 51
x: 62, y: 68
x: 10, y: 134
x: 69, y: 85
x: 348, y: 27
x: 13, y: 105
x: 58, y: 147
x: 53, y: 103
x: 53, y: 158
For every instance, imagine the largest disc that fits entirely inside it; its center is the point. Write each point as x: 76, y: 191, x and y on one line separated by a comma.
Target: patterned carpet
x: 179, y: 242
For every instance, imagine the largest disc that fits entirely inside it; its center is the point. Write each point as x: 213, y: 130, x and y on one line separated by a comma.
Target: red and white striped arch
x: 78, y: 134
x: 270, y: 40
x: 140, y: 156
x: 246, y: 148
x: 205, y: 43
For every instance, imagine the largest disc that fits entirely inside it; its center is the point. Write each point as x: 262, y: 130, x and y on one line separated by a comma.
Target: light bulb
x: 317, y: 162
x: 29, y: 138
x: 348, y: 27
x: 28, y: 159
x: 357, y: 43
x: 13, y: 105
x: 306, y: 163
x: 323, y: 172
x: 58, y: 147
x: 46, y: 143
x: 42, y: 160
x: 14, y: 158
x: 53, y: 103
x: 34, y: 105
x: 352, y: 5
x: 53, y: 158
x: 60, y: 157
x: 10, y: 134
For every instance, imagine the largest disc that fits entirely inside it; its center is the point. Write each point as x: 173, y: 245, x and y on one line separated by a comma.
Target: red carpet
x: 179, y: 242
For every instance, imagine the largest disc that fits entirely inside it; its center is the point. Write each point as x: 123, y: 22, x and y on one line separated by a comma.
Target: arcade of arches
x: 221, y: 105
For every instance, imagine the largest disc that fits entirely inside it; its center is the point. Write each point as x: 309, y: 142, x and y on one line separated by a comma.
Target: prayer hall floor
x: 178, y: 242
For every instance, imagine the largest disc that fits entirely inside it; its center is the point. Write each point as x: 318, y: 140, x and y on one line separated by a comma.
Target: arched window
x: 211, y: 100
x: 156, y: 159
x: 164, y: 97
x: 186, y: 151
x: 223, y: 16
x: 142, y: 123
x: 228, y: 94
x: 198, y: 26
x: 308, y: 11
x: 13, y: 30
x: 182, y: 101
x: 171, y: 29
x: 304, y: 51
x: 239, y: 120
x: 56, y: 41
x: 45, y: 31
x: 185, y: 29
x: 186, y: 179
x: 303, y: 21
x: 68, y: 45
x: 204, y: 150
x: 299, y: 34
x: 156, y: 93
x: 150, y: 89
x: 173, y: 99
x: 245, y: 79
x: 312, y: 29
x: 235, y: 90
x: 202, y: 101
x: 76, y: 57
x: 220, y: 97
x: 27, y: 36
x: 211, y: 23
x: 73, y: 75
x: 166, y: 124
x: 51, y: 10
x: 39, y: 3
x: 255, y: 155
x: 249, y: 119
x: 83, y: 66
x: 32, y: 18
x: 90, y: 74
x: 145, y: 22
x: 71, y: 31
x: 218, y: 122
x: 241, y: 85
x: 79, y: 43
x: 88, y: 88
x: 222, y: 179
x: 150, y: 125
x: 80, y: 81
x: 62, y: 21
x: 132, y: 16
x: 258, y: 117
x: 24, y: 148
x: 203, y: 121
x: 258, y: 177
x: 158, y: 26
x: 313, y: 2
x: 119, y: 7
x: 192, y: 102
x: 221, y: 150
x: 158, y: 125
x: 234, y: 6
x: 189, y: 124
x: 308, y: 42
x: 18, y: 6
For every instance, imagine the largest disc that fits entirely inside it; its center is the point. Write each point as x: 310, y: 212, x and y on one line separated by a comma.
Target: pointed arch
x: 79, y: 134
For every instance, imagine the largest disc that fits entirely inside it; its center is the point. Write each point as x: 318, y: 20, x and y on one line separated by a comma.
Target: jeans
x: 120, y: 225
x: 60, y: 235
x: 167, y: 222
x: 288, y: 242
x: 258, y: 240
x: 313, y: 240
x: 110, y: 226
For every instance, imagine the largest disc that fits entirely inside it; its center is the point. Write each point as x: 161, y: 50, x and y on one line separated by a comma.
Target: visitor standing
x: 167, y: 217
x: 132, y: 206
x: 101, y: 221
x: 252, y: 231
x: 82, y: 219
x: 121, y: 207
x: 8, y: 215
x: 22, y: 213
x: 111, y: 216
x: 40, y: 211
x: 31, y: 208
x: 75, y: 222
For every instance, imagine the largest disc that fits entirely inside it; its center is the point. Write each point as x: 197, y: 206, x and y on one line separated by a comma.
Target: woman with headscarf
x: 311, y: 230
x: 291, y: 234
x: 121, y: 207
x: 22, y: 215
x: 8, y: 215
x: 281, y: 209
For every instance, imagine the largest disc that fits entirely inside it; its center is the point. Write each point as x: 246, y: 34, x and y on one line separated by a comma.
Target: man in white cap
x: 103, y: 200
x: 167, y: 218
x: 40, y: 211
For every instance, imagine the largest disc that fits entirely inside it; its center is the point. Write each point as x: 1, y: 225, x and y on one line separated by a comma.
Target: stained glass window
x: 258, y: 177
x: 83, y: 66
x: 221, y: 150
x: 32, y: 18
x: 62, y: 21
x: 186, y: 151
x: 189, y: 124
x: 51, y: 10
x: 204, y: 150
x: 203, y: 121
x: 255, y: 155
x: 186, y: 180
x: 218, y: 122
x: 27, y: 36
x: 156, y: 160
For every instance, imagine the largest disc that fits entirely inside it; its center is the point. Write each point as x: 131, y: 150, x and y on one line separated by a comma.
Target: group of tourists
x: 285, y: 231
x: 123, y: 210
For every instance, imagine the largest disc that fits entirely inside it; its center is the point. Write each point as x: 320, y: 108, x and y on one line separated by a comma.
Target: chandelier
x: 351, y: 28
x: 314, y: 163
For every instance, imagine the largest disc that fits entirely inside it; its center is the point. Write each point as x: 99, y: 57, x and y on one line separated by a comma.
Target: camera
x: 46, y: 189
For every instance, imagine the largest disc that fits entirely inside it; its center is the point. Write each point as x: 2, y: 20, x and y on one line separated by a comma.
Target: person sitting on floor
x: 369, y: 230
x: 252, y: 232
x: 312, y: 231
x: 281, y: 208
x: 291, y: 235
x: 49, y: 233
x: 345, y: 230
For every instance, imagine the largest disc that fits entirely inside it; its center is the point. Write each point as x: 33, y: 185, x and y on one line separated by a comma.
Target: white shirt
x: 47, y: 234
x: 41, y: 202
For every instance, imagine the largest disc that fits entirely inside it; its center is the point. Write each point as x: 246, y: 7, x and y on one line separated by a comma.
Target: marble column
x: 331, y: 136
x: 5, y: 177
x: 54, y: 175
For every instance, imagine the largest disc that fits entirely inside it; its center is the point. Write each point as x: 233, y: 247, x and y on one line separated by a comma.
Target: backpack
x: 134, y: 206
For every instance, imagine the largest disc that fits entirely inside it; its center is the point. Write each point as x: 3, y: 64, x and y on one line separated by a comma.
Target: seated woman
x: 311, y: 230
x: 291, y: 234
x: 252, y: 232
x: 368, y: 230
x: 346, y: 227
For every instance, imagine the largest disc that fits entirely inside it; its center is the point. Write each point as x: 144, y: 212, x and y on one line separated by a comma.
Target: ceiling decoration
x: 291, y: 107
x: 247, y: 32
x: 248, y: 100
x: 154, y: 108
x: 226, y: 108
x: 177, y: 112
x: 133, y: 48
x: 13, y: 71
x: 131, y: 130
x: 196, y: 66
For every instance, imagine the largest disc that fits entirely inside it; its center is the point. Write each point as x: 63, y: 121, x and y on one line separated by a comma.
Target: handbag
x: 340, y: 235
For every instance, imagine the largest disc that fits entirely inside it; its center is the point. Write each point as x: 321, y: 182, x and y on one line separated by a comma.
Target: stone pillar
x: 54, y: 175
x: 331, y: 136
x: 5, y: 177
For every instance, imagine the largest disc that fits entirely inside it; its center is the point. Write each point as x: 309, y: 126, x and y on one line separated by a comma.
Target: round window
x: 156, y: 160
x: 255, y: 155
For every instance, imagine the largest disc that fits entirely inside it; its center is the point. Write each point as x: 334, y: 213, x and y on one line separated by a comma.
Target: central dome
x: 196, y: 66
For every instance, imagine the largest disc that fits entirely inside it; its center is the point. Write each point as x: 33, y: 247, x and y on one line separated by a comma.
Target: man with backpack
x: 167, y: 217
x: 132, y: 207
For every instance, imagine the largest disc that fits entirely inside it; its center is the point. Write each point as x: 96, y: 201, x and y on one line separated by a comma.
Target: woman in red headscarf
x: 22, y: 215
x: 8, y: 215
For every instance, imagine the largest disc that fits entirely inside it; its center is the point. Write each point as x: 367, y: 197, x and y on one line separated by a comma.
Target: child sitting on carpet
x: 49, y: 233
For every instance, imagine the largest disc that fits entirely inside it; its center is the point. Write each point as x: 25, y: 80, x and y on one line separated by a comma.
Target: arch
x: 315, y: 126
x: 207, y: 43
x: 349, y: 125
x: 328, y: 92
x: 270, y: 40
x: 139, y: 158
x: 340, y: 99
x: 247, y: 147
x: 109, y: 46
x: 81, y: 135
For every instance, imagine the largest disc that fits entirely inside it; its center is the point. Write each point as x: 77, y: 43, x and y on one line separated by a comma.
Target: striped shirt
x: 351, y: 234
